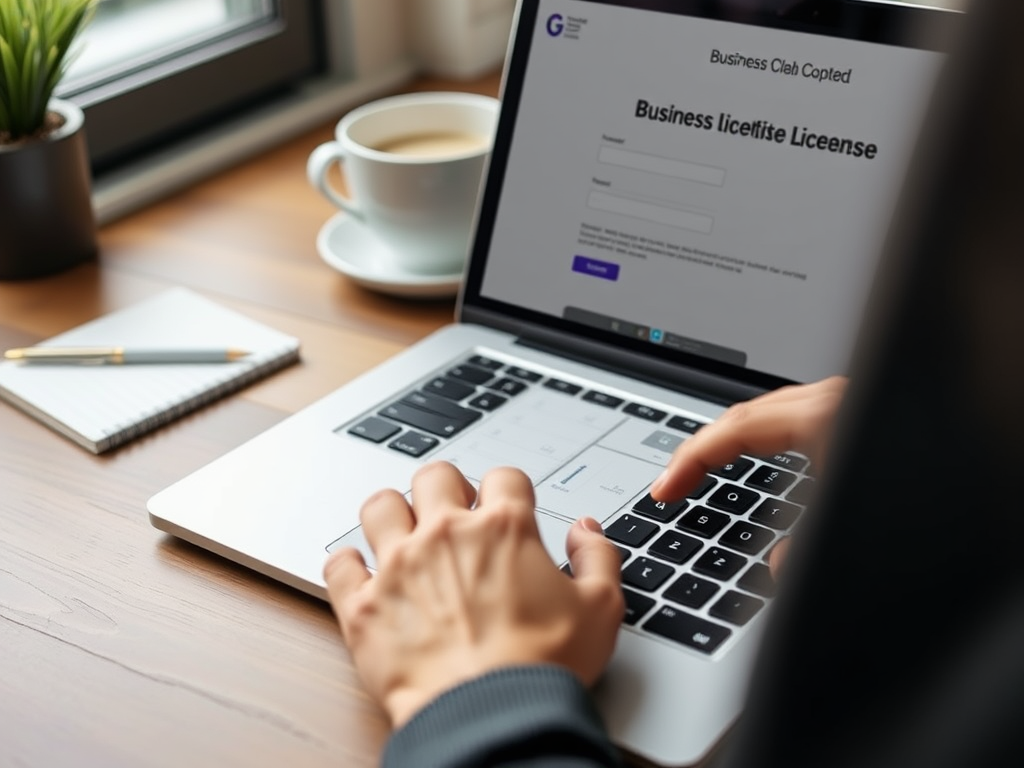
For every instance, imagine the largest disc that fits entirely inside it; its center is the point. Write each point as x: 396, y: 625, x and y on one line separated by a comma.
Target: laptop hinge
x: 677, y: 378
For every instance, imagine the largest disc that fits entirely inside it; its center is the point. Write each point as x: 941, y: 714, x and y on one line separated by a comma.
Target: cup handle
x: 320, y: 160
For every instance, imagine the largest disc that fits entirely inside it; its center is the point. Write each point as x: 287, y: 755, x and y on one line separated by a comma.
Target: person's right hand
x: 795, y: 418
x: 465, y: 586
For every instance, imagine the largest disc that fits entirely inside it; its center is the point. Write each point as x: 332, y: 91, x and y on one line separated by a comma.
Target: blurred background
x: 177, y: 89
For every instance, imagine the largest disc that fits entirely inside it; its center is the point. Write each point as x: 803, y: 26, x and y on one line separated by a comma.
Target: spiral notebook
x: 103, y: 406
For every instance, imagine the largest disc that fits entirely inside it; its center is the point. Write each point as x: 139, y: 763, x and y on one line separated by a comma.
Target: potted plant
x: 46, y: 217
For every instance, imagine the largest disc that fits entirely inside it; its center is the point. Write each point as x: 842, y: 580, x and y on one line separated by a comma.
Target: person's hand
x: 463, y: 590
x: 795, y: 418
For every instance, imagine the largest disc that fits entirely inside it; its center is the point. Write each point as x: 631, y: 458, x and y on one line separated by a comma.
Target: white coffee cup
x: 413, y: 165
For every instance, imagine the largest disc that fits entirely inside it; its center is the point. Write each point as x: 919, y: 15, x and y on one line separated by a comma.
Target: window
x: 151, y: 70
x: 128, y: 35
x: 176, y: 89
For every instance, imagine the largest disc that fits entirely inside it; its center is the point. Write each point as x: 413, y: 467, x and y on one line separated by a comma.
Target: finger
x: 814, y: 410
x: 591, y: 555
x: 777, y: 557
x: 386, y: 519
x: 439, y: 487
x: 795, y: 417
x: 512, y: 487
x: 344, y: 572
x: 761, y: 429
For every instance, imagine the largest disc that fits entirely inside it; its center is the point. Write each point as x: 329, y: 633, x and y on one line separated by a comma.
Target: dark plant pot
x: 46, y: 217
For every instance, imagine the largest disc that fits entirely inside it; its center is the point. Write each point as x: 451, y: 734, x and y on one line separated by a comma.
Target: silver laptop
x: 684, y: 207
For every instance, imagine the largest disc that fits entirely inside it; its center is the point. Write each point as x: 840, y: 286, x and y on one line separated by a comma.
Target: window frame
x: 143, y: 110
x: 365, y: 55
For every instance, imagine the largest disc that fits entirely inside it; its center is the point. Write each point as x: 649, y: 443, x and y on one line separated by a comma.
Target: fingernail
x: 657, y: 483
x: 591, y: 525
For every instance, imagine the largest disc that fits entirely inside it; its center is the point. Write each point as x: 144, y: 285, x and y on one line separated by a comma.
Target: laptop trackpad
x: 552, y: 532
x: 356, y: 539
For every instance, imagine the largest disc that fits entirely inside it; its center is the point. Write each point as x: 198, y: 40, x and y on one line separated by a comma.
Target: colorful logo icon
x: 657, y: 335
x: 556, y: 24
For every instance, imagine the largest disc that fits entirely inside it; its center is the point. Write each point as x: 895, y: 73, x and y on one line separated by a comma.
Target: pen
x: 123, y: 355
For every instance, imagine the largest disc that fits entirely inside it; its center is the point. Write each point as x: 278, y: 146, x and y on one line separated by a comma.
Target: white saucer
x: 348, y: 246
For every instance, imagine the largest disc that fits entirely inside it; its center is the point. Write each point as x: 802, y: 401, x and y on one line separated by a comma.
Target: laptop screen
x: 709, y: 186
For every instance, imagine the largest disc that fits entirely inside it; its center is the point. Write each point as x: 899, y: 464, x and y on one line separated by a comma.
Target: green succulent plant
x: 35, y: 37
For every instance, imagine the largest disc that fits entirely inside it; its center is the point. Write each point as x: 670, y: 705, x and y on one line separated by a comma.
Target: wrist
x: 406, y: 701
x: 449, y: 672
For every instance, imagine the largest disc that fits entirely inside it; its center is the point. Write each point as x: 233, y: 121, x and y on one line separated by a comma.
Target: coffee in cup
x: 413, y: 165
x: 435, y: 144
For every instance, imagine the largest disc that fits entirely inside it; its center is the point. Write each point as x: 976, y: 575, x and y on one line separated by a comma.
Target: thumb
x: 591, y: 555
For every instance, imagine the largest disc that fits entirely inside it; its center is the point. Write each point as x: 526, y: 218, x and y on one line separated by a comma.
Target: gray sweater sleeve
x: 519, y: 716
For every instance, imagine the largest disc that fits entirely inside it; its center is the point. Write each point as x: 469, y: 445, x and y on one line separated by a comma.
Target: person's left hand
x: 463, y: 590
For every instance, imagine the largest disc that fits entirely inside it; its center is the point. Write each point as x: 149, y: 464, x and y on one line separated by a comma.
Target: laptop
x: 684, y: 207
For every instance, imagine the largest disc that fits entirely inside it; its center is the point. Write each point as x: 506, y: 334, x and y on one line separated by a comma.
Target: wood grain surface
x: 120, y: 646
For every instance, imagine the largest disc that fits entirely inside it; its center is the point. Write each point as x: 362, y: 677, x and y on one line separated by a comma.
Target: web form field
x: 663, y: 166
x: 638, y: 209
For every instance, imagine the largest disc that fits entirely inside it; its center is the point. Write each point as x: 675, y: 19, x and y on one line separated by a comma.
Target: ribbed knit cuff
x: 541, y: 715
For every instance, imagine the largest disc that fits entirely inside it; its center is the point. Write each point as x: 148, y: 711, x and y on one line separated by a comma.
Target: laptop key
x: 758, y: 579
x: 488, y: 401
x: 484, y: 362
x: 704, y: 522
x: 450, y: 388
x: 675, y: 547
x: 736, y: 608
x: 644, y: 412
x: 685, y: 424
x: 563, y: 386
x: 470, y: 373
x: 507, y: 386
x: 746, y: 537
x: 771, y: 479
x: 776, y: 514
x: 682, y: 627
x: 662, y: 511
x: 734, y: 470
x: 733, y: 499
x: 646, y: 574
x: 374, y: 429
x: 523, y: 373
x: 636, y: 606
x: 413, y: 443
x: 787, y: 461
x: 631, y: 530
x: 801, y: 492
x: 435, y: 424
x: 690, y: 591
x: 603, y: 398
x: 440, y: 405
x: 719, y: 563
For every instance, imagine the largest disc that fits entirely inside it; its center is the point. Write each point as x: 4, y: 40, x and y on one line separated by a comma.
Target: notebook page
x: 100, y: 406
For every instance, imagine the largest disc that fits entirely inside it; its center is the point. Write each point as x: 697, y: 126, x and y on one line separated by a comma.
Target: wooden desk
x: 120, y: 646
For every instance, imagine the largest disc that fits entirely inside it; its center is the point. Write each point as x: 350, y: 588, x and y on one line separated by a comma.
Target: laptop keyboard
x: 694, y: 571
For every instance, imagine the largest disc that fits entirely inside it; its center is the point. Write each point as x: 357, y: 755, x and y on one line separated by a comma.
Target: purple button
x: 602, y: 269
